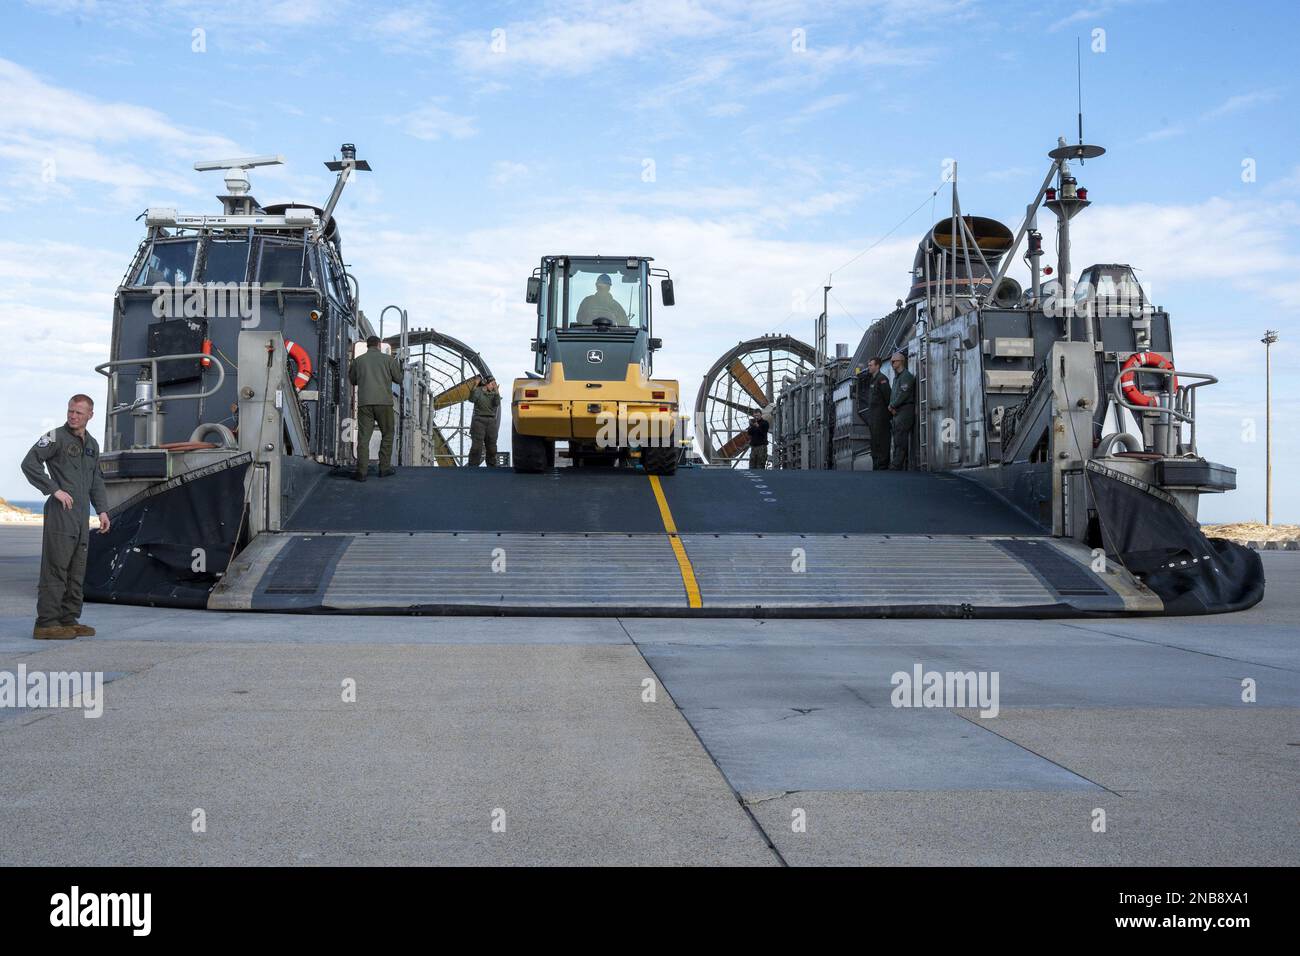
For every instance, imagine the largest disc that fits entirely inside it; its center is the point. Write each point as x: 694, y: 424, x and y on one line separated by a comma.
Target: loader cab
x: 585, y: 299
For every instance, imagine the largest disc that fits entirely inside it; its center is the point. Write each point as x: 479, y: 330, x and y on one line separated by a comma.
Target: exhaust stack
x: 947, y: 248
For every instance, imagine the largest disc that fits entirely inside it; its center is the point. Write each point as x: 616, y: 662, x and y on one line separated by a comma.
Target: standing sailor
x: 902, y: 406
x: 486, y: 399
x: 374, y: 373
x: 757, y: 431
x: 64, y: 465
x: 873, y: 406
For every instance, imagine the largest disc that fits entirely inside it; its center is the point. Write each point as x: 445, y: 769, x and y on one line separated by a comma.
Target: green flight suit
x: 902, y: 401
x: 873, y: 406
x: 60, y: 461
x: 483, y: 425
x: 758, y: 444
x: 374, y: 373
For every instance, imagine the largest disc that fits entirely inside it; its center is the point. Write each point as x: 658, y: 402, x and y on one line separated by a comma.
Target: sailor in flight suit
x: 64, y: 465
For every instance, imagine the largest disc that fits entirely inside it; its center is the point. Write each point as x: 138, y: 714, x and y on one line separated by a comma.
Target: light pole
x: 1270, y: 336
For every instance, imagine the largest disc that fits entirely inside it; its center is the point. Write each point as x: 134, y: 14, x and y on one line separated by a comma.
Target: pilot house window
x: 169, y: 262
x: 226, y: 261
x: 284, y: 266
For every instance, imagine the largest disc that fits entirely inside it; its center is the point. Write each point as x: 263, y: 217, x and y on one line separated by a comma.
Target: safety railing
x: 1181, y: 409
x: 152, y: 400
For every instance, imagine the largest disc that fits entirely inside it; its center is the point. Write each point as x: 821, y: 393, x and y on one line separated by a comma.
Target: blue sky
x: 784, y: 138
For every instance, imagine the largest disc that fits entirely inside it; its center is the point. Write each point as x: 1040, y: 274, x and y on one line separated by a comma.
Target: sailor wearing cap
x: 902, y: 411
x: 601, y: 303
x: 486, y: 401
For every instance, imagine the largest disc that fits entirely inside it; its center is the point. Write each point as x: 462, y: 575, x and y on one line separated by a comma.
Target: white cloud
x: 1289, y: 184
x: 584, y: 37
x: 730, y: 108
x: 1090, y: 13
x: 408, y: 24
x: 1164, y: 132
x: 36, y: 107
x: 54, y: 136
x: 1235, y: 104
x: 56, y: 299
x: 243, y: 15
x: 1009, y: 173
x: 505, y: 172
x: 578, y: 38
x: 1224, y: 246
x: 828, y: 103
x: 869, y: 53
x: 708, y: 73
x: 432, y: 122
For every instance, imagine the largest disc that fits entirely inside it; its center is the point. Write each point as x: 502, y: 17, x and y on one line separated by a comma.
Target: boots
x: 55, y: 633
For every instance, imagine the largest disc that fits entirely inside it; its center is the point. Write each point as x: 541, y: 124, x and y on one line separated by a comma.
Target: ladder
x: 923, y: 396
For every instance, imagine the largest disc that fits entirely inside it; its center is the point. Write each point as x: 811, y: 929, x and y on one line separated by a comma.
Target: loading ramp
x: 703, y: 542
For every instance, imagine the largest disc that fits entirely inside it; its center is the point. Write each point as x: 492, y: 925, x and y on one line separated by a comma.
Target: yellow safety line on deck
x: 683, y: 562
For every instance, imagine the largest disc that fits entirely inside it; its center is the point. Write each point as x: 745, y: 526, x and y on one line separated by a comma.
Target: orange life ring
x: 1128, y: 376
x: 302, y: 360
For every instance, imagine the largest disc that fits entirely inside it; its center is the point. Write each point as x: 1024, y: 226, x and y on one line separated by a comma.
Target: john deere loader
x: 592, y: 385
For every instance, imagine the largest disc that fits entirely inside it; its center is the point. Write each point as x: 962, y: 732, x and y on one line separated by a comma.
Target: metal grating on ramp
x: 859, y: 571
x: 1066, y: 577
x: 484, y: 570
x: 630, y: 574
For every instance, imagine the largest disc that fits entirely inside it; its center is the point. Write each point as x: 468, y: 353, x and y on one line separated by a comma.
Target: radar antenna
x: 237, y: 200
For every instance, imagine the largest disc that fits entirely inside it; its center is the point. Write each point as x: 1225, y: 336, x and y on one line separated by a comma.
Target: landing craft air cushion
x: 227, y: 435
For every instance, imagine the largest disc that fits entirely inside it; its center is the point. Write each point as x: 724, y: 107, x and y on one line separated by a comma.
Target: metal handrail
x: 153, y: 370
x: 1184, y: 407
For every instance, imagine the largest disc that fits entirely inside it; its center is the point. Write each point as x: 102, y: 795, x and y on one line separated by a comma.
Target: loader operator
x: 374, y: 373
x: 64, y: 464
x: 902, y: 406
x: 601, y: 303
x: 873, y: 407
x: 486, y: 399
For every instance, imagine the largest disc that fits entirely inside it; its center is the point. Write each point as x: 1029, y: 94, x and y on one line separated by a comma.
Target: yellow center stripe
x: 683, y: 562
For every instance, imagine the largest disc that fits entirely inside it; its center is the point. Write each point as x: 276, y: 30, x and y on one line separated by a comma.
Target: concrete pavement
x: 779, y: 731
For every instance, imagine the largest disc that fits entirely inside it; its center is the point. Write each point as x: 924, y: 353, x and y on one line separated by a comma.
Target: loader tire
x: 528, y: 453
x: 660, y: 461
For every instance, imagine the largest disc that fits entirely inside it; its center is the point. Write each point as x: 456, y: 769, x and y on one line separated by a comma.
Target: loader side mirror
x: 656, y: 344
x: 534, y: 290
x: 666, y: 292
